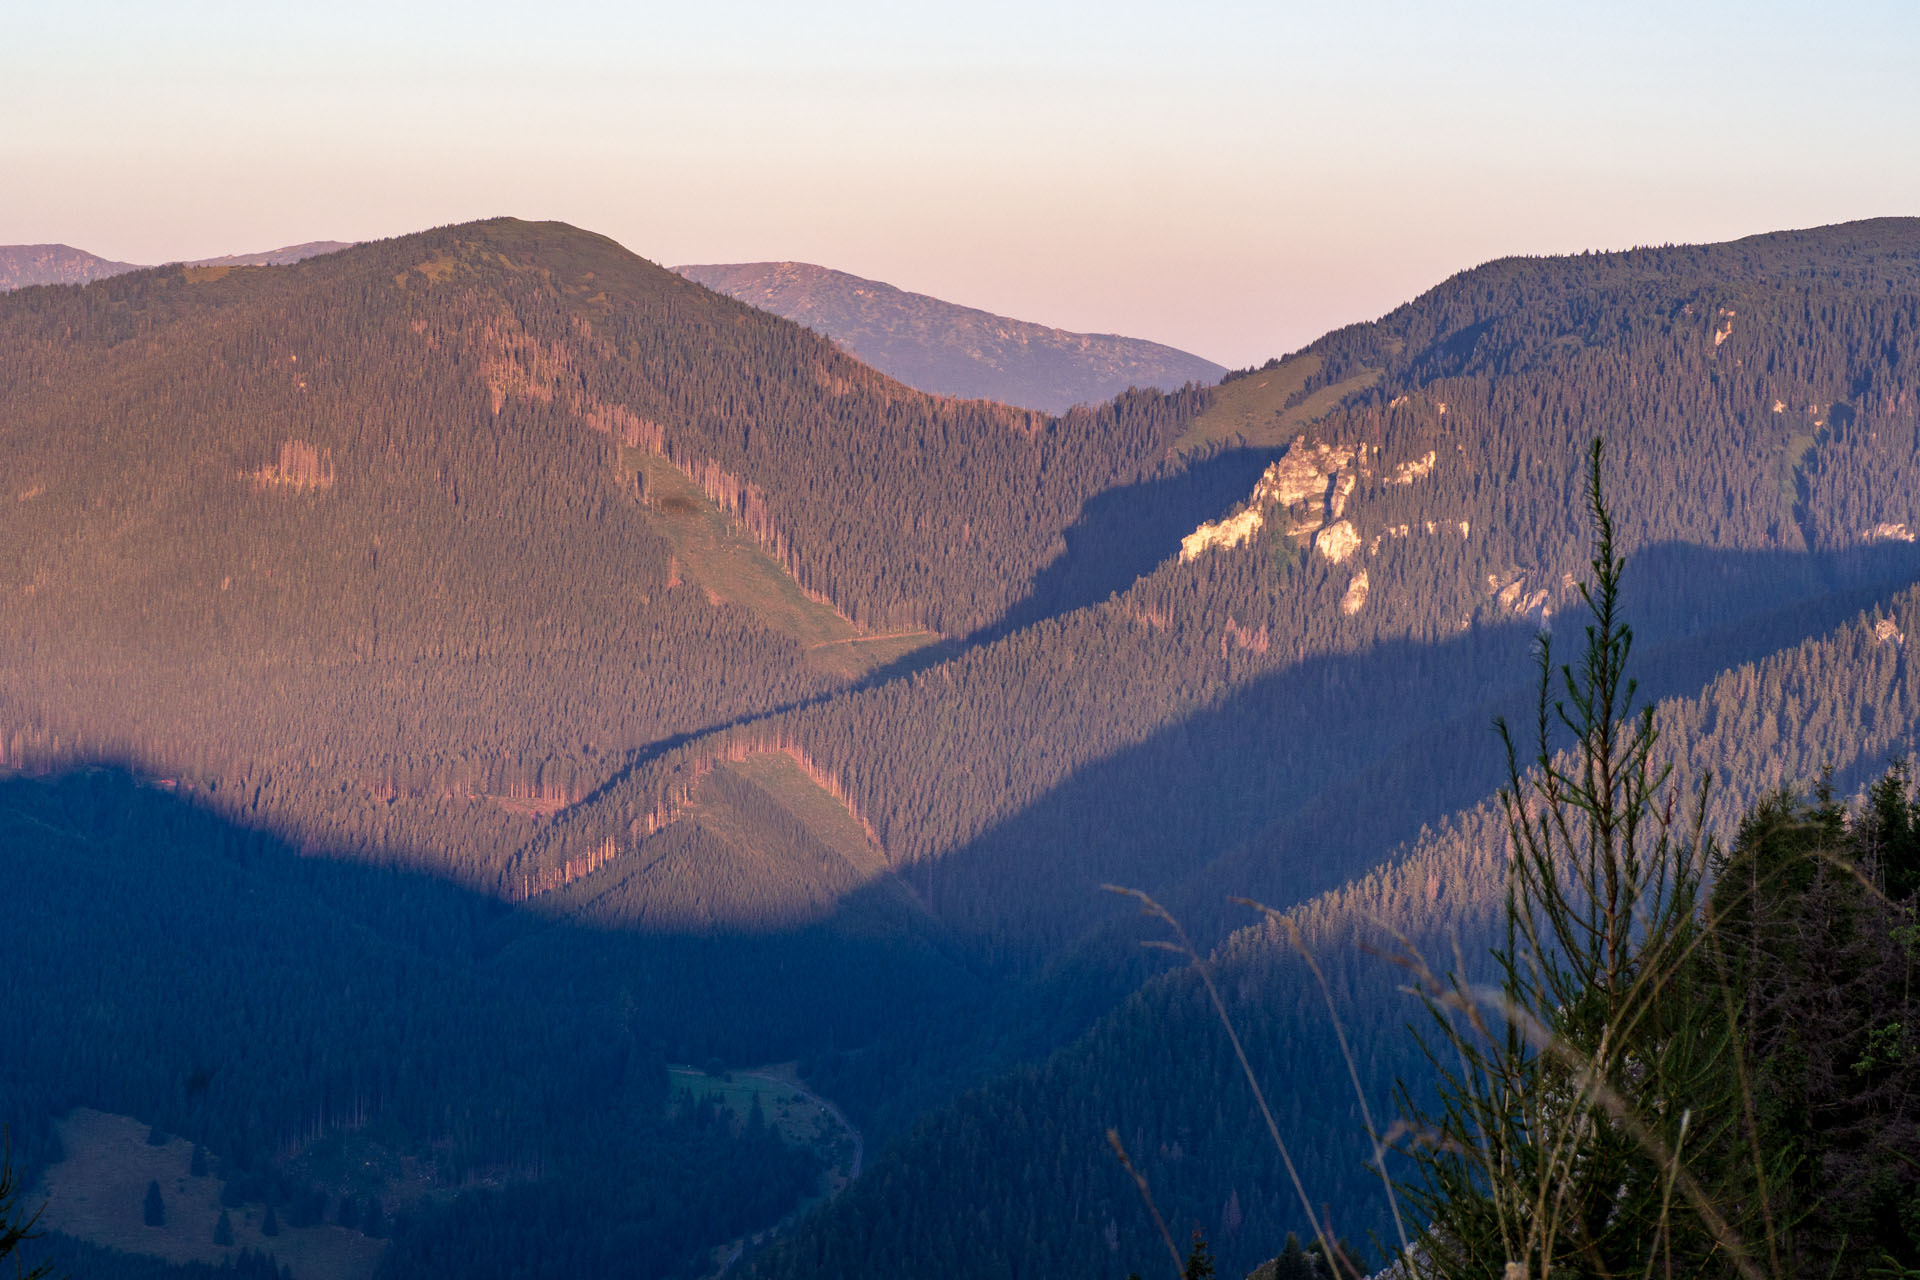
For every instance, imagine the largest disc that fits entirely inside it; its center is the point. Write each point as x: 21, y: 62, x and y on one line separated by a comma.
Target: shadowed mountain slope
x: 954, y: 350
x: 1759, y: 404
x: 1160, y: 1071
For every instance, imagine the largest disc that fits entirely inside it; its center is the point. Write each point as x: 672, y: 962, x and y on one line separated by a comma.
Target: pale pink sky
x: 1230, y: 178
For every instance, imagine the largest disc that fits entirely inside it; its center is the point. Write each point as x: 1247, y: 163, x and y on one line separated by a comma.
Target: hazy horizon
x: 1235, y: 182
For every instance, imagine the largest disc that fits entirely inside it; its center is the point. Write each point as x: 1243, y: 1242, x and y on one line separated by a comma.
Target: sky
x: 1230, y: 178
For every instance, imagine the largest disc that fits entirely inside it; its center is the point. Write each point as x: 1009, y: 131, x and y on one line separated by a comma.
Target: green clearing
x: 96, y: 1192
x: 724, y: 558
x: 800, y: 1116
x: 803, y: 1118
x: 1253, y: 411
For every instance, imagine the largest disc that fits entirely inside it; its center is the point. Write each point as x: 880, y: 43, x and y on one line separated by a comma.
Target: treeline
x: 66, y: 1256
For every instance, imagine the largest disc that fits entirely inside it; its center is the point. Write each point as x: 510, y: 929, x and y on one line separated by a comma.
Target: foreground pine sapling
x: 1582, y: 1094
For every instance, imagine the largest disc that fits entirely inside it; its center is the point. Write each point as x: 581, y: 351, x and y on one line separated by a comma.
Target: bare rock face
x: 953, y: 350
x: 1231, y: 532
x: 1337, y: 541
x: 1356, y: 597
x: 1305, y: 496
x: 1312, y: 483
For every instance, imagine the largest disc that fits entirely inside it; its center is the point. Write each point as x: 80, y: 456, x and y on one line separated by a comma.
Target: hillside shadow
x: 1120, y: 536
x: 1321, y: 759
x: 1147, y: 815
x: 1123, y: 534
x: 1303, y: 780
x: 153, y: 941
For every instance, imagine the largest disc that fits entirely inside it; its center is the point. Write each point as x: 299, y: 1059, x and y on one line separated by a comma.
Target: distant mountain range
x: 28, y: 264
x: 953, y: 350
x: 25, y: 264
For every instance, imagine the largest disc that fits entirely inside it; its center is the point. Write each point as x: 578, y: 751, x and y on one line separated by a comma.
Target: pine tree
x: 1891, y: 834
x: 1577, y: 1097
x: 223, y: 1229
x: 153, y: 1211
x: 197, y: 1167
x: 1199, y: 1259
x: 270, y: 1223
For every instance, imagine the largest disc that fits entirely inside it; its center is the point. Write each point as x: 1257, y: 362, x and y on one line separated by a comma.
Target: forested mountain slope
x: 954, y: 350
x: 338, y: 1036
x: 501, y: 554
x: 1016, y: 1178
x: 1768, y: 496
x: 392, y: 547
x: 1382, y: 580
x: 286, y: 255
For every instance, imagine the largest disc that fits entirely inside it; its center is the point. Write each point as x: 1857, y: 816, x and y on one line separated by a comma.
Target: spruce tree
x: 1199, y: 1259
x: 223, y: 1229
x: 1889, y: 833
x: 153, y: 1211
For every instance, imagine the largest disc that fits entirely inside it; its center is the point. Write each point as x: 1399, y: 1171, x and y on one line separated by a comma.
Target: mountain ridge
x: 951, y: 349
x: 22, y: 265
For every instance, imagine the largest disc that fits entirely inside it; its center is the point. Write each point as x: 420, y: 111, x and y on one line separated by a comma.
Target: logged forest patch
x: 731, y: 566
x: 825, y: 817
x: 97, y: 1194
x: 1267, y: 408
x: 753, y: 839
